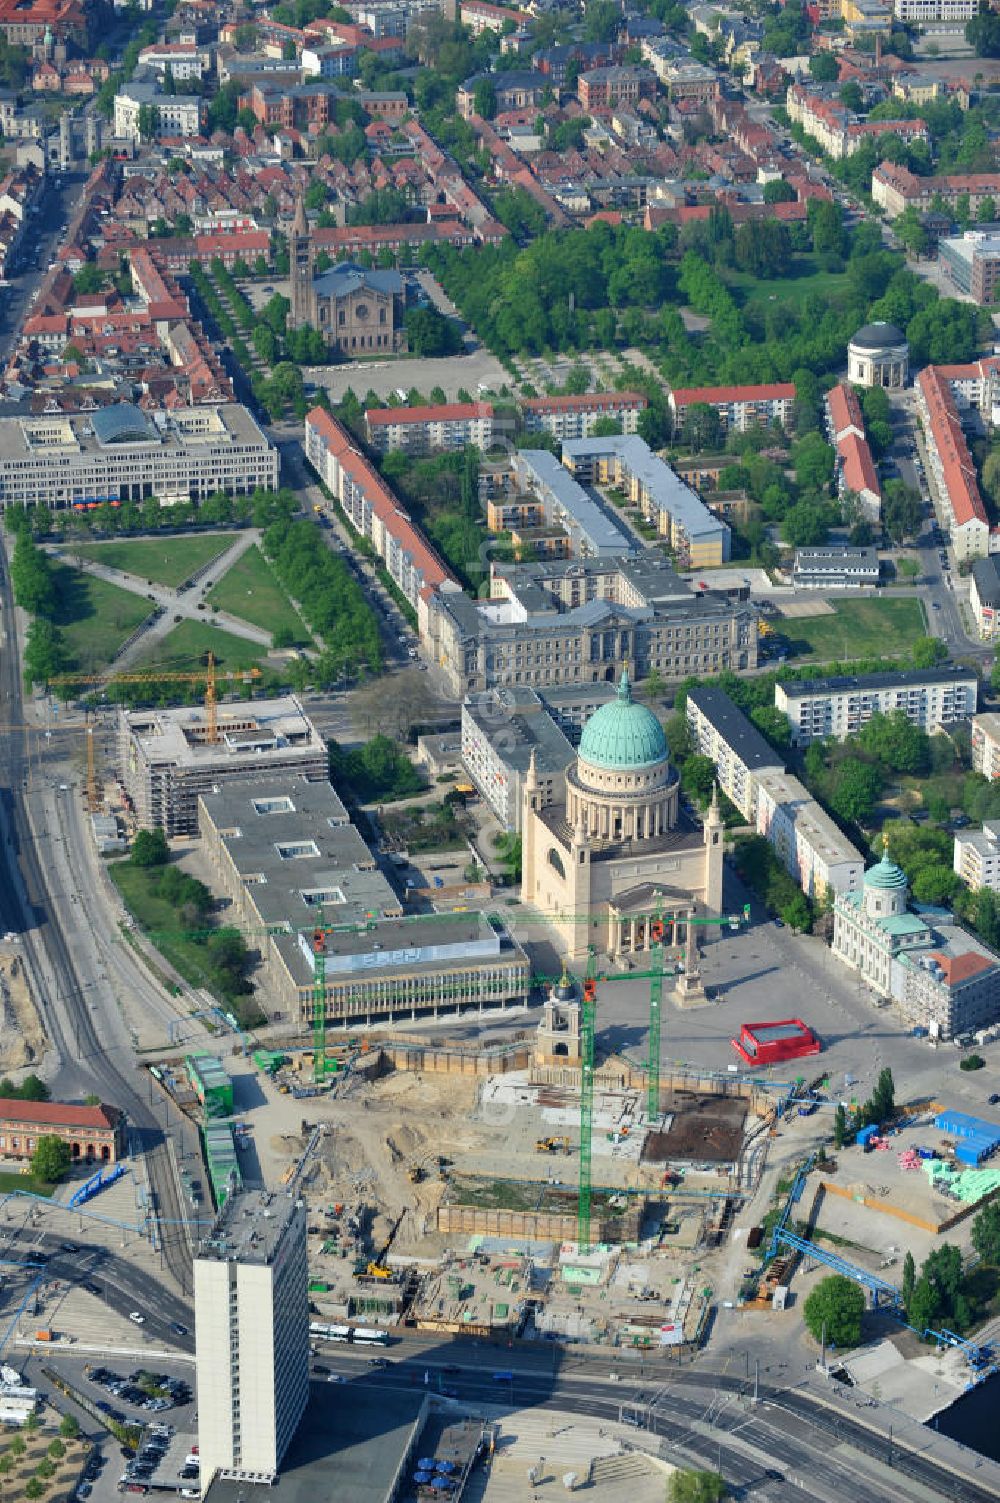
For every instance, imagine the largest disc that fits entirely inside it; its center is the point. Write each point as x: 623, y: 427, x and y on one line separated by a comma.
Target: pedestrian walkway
x: 191, y: 604
x: 535, y: 1451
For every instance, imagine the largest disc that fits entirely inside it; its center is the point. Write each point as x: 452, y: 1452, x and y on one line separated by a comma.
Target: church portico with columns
x: 617, y: 850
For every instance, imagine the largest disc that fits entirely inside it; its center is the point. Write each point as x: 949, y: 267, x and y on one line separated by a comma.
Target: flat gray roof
x: 349, y: 1444
x: 736, y: 730
x: 277, y: 725
x: 667, y: 490
x: 810, y: 688
x: 516, y: 726
x: 825, y: 558
x: 290, y: 839
x: 249, y: 1227
x: 188, y: 428
x: 545, y: 474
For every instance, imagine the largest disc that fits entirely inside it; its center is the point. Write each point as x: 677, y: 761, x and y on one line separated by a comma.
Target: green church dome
x: 885, y: 873
x: 623, y: 736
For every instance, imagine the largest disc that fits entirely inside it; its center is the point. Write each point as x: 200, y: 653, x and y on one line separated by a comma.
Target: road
x: 123, y: 1285
x: 61, y: 198
x: 937, y: 588
x: 79, y: 1013
x: 703, y: 1416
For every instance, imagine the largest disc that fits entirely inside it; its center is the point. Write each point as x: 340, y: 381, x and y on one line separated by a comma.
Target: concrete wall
x: 543, y: 1225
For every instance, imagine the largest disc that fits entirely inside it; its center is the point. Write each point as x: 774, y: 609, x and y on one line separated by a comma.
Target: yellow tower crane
x: 209, y: 676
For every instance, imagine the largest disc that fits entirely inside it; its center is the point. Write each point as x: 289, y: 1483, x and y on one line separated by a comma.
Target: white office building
x: 251, y: 1335
x: 172, y: 114
x: 119, y: 453
x: 839, y: 707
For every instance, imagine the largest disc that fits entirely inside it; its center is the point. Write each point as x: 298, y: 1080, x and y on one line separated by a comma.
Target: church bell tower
x: 300, y: 260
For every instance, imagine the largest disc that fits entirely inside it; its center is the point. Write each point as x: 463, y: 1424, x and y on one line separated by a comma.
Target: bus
x: 360, y: 1335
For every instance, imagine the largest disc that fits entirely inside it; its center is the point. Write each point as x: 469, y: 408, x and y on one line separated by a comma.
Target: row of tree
x: 330, y: 599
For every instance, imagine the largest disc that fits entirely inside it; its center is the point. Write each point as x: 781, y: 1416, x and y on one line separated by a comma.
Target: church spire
x: 300, y: 224
x: 625, y: 686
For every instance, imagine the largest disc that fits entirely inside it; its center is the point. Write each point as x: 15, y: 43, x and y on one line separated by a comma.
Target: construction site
x: 464, y: 1189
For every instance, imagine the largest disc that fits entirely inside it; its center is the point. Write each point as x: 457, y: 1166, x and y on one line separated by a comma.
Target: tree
x: 835, y: 1307
x: 824, y: 67
x: 44, y: 652
x: 678, y: 737
x: 990, y: 477
x: 33, y: 1488
x: 56, y: 1448
x: 772, y: 723
x: 804, y: 525
x: 69, y: 1427
x: 702, y: 428
x: 148, y: 122
x: 813, y: 460
x: 855, y: 790
x: 851, y: 96
x: 987, y: 211
x: 51, y: 1159
x: 983, y: 32
x: 695, y: 1487
x: 986, y: 1233
x: 840, y: 1126
x: 926, y: 652
x: 149, y: 848
x: 484, y: 99
x: 909, y: 1279
x: 430, y: 334
x: 698, y: 776
x: 777, y: 191
x: 902, y: 511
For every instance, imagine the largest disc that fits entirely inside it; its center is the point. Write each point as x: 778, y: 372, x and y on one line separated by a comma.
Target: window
x: 273, y: 806
x: 297, y: 850
x: 317, y: 897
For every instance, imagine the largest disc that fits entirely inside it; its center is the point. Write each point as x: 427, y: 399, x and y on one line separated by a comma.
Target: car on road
x: 779, y: 923
x: 320, y: 1370
x: 378, y: 1362
x: 91, y: 1287
x: 136, y: 1318
x: 178, y: 1329
x: 336, y: 1378
x: 70, y: 1246
x: 994, y: 1100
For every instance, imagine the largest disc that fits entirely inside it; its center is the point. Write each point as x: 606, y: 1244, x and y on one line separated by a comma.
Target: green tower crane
x: 587, y: 1022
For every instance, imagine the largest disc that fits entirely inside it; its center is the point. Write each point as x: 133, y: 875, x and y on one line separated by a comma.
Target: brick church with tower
x: 356, y: 309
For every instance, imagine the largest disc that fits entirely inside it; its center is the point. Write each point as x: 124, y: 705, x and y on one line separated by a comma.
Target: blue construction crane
x: 794, y: 1196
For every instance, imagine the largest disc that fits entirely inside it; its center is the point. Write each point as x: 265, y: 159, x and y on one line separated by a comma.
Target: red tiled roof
x: 958, y: 968
x: 383, y: 503
x: 845, y: 409
x: 946, y: 434
x: 859, y: 470
x: 445, y: 412
x: 780, y: 391
x: 593, y: 401
x: 58, y: 1114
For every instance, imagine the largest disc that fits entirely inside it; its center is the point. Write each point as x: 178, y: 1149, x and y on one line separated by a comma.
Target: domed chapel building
x: 619, y: 849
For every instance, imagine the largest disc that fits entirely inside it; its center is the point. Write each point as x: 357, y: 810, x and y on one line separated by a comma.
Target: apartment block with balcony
x: 839, y: 707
